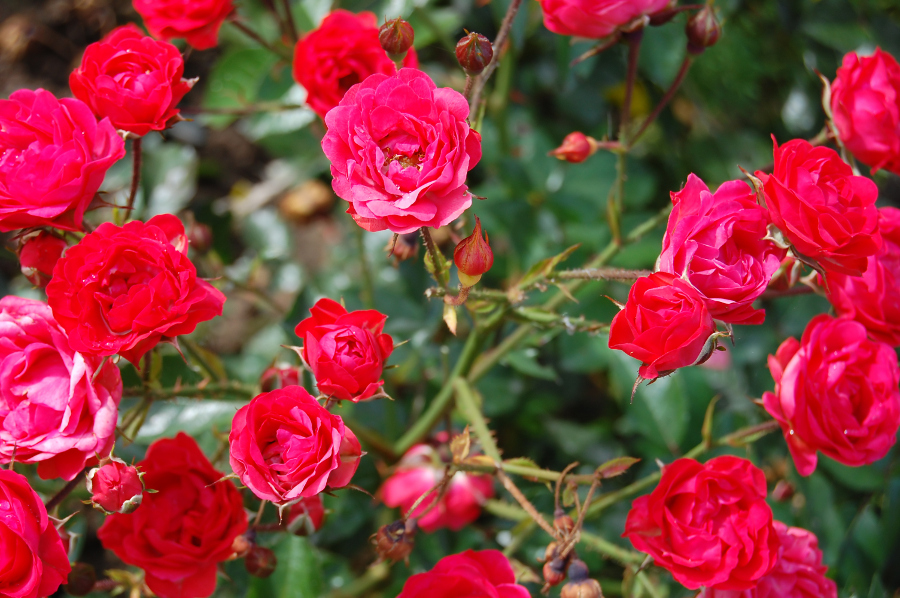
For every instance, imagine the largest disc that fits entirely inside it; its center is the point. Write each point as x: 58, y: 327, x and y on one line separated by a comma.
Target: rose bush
x: 400, y: 149
x: 124, y: 289
x: 595, y: 18
x: 484, y: 573
x: 53, y: 157
x: 197, y: 21
x: 182, y: 532
x: 58, y: 407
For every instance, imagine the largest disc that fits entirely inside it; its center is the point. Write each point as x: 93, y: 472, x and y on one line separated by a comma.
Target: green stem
x: 667, y: 97
x: 614, y: 551
x: 367, y: 293
x: 466, y: 403
x: 479, y: 294
x: 437, y: 258
x: 242, y: 391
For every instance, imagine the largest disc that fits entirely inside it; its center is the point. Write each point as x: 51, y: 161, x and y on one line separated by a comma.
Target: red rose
x: 865, y: 104
x: 132, y: 79
x: 420, y: 470
x: 124, y: 289
x: 285, y: 446
x: 873, y: 299
x: 715, y: 241
x: 33, y: 562
x: 184, y: 530
x: 665, y: 324
x: 824, y: 210
x: 798, y: 573
x: 53, y: 157
x: 345, y: 351
x: 306, y: 516
x: 197, y: 21
x: 342, y: 52
x: 836, y: 392
x: 708, y: 524
x: 481, y: 574
x: 38, y: 255
x: 116, y: 487
x: 595, y: 18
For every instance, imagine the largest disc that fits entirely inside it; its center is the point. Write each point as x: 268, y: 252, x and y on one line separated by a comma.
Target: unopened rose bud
x: 580, y: 585
x: 576, y: 148
x: 396, y: 37
x: 81, y: 579
x: 306, y: 516
x: 474, y: 52
x: 200, y: 237
x: 260, y: 561
x: 473, y: 256
x: 554, y: 572
x: 241, y: 545
x: 703, y: 30
x: 395, y: 540
x: 278, y: 376
x: 38, y: 255
x: 562, y: 522
x: 664, y: 16
x: 115, y: 487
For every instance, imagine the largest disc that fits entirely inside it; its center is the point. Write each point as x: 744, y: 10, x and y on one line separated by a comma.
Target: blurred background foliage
x: 281, y: 241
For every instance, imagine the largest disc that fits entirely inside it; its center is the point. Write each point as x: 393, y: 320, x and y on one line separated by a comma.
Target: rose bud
x: 473, y: 256
x: 81, y: 579
x: 395, y: 540
x: 703, y: 30
x: 554, y: 572
x: 242, y: 545
x: 580, y: 585
x: 260, y: 561
x: 38, y: 254
x: 306, y: 516
x: 115, y: 487
x: 396, y: 37
x: 200, y: 237
x: 278, y: 376
x: 474, y: 52
x: 576, y: 148
x: 562, y: 522
x: 783, y: 491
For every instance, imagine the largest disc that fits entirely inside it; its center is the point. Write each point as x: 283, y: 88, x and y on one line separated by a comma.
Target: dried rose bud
x: 562, y: 522
x: 550, y: 552
x: 474, y: 52
x: 115, y: 487
x: 81, y: 579
x: 405, y: 247
x: 554, y: 572
x: 576, y: 148
x: 38, y: 255
x: 260, y: 561
x: 395, y: 540
x: 703, y: 30
x: 278, y: 376
x: 473, y: 256
x: 580, y: 585
x: 242, y: 545
x: 306, y: 516
x: 200, y: 237
x: 396, y: 38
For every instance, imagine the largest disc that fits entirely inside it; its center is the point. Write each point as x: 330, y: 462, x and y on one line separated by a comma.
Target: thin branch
x: 499, y: 42
x: 670, y: 93
x: 135, y: 174
x: 525, y: 503
x: 599, y: 274
x: 256, y: 37
x: 634, y: 49
x: 66, y: 490
x: 291, y: 24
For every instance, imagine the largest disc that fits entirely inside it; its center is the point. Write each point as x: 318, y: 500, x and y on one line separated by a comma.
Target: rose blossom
x: 707, y: 524
x: 38, y: 255
x: 345, y: 351
x: 665, y: 324
x: 798, y: 572
x: 400, y: 149
x: 343, y: 51
x: 58, y: 408
x: 284, y: 446
x: 715, y: 241
x: 53, y: 157
x: 184, y: 530
x: 115, y: 487
x: 873, y: 299
x: 595, y: 18
x: 197, y: 21
x: 824, y: 210
x: 865, y: 104
x: 483, y: 573
x: 836, y: 392
x: 33, y: 562
x: 124, y: 289
x: 132, y: 79
x: 419, y: 471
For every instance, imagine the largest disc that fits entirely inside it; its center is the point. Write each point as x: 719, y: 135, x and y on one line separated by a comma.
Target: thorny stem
x: 289, y: 18
x: 367, y: 293
x: 524, y: 502
x: 480, y: 294
x: 255, y: 37
x: 634, y: 50
x: 499, y: 42
x: 243, y: 111
x: 670, y: 93
x: 800, y: 289
x: 66, y: 490
x: 437, y: 259
x: 467, y: 90
x: 234, y: 388
x: 465, y: 402
x: 135, y: 175
x: 599, y: 274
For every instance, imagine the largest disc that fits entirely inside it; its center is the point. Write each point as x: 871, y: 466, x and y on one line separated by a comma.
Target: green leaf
x: 170, y: 178
x: 525, y: 362
x: 235, y: 82
x: 544, y: 268
x: 616, y: 467
x: 297, y: 575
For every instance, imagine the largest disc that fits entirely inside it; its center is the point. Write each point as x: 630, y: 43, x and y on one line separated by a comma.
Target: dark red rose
x: 481, y: 574
x: 38, y: 255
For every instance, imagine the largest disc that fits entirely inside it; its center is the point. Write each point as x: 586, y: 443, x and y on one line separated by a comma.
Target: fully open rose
x: 197, y: 21
x: 595, y: 18
x: 482, y: 574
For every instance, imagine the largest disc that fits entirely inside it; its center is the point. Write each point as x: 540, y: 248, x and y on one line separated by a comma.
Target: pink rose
x: 33, y: 562
x: 873, y: 299
x: 53, y: 157
x: 400, y: 149
x: 715, y: 241
x: 345, y: 351
x: 420, y: 470
x: 115, y: 487
x: 595, y: 18
x: 197, y: 21
x: 285, y: 446
x: 481, y: 574
x: 707, y: 524
x: 836, y: 392
x: 865, y: 104
x: 56, y: 408
x: 132, y: 79
x: 825, y: 211
x: 38, y: 254
x: 798, y: 572
x: 665, y: 324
